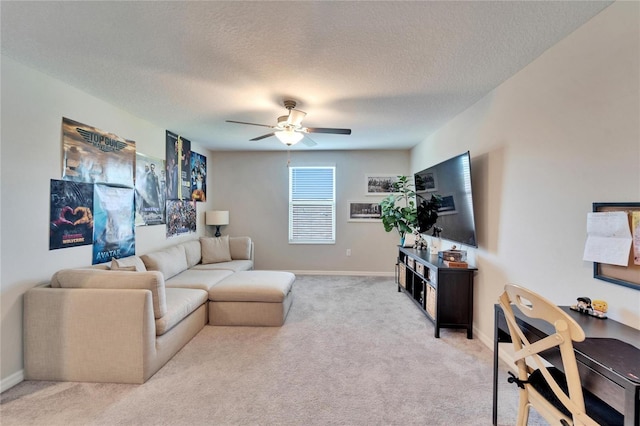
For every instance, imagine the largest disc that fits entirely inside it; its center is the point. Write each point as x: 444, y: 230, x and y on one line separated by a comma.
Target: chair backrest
x: 566, y: 332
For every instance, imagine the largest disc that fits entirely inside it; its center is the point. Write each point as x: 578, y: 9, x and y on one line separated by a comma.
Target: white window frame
x: 293, y: 239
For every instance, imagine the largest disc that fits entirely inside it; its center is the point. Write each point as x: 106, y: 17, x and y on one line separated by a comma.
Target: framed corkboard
x: 628, y: 276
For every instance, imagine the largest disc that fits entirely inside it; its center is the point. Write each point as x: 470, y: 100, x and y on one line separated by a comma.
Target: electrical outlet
x: 348, y: 252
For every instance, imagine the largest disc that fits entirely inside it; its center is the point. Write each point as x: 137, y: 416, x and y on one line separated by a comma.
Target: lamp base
x: 218, y: 231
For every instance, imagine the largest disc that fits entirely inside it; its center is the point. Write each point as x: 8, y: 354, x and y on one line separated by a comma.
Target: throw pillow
x: 125, y: 264
x: 215, y: 249
x: 193, y: 252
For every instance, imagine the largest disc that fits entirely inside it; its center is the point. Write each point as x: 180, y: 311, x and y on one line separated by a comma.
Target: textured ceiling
x: 392, y: 71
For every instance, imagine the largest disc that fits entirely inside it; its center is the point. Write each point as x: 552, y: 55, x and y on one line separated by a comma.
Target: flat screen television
x: 451, y: 180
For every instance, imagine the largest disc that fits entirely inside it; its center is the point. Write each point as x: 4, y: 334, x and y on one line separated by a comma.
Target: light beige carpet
x: 353, y: 351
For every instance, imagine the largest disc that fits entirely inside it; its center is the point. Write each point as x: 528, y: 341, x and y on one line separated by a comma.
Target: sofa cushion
x: 253, y: 286
x: 193, y: 252
x: 193, y: 278
x: 240, y: 248
x: 126, y: 263
x: 180, y: 303
x: 170, y: 261
x: 99, y: 278
x: 215, y: 250
x: 234, y: 265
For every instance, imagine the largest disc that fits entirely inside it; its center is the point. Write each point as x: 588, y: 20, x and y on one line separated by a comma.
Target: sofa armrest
x: 88, y: 335
x: 107, y: 279
x: 241, y: 248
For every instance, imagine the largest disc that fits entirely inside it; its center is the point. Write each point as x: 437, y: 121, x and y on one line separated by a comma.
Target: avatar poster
x: 150, y: 190
x: 113, y: 230
x: 71, y: 214
x: 198, y: 177
x: 181, y: 217
x: 178, y: 153
x: 93, y: 156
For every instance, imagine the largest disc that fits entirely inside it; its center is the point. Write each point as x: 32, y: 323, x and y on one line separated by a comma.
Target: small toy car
x: 584, y: 305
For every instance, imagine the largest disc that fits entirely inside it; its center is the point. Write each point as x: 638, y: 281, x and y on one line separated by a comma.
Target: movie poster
x: 172, y: 165
x: 150, y: 190
x: 181, y: 217
x: 71, y: 214
x: 178, y: 153
x: 113, y: 230
x: 93, y: 156
x: 198, y: 177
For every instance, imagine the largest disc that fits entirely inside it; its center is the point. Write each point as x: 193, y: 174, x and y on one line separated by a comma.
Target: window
x: 312, y: 205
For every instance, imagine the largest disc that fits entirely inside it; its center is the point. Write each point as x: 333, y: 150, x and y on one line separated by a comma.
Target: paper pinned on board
x: 608, y: 238
x: 635, y: 225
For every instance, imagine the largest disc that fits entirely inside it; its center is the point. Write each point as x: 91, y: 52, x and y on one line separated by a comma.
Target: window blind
x: 312, y: 205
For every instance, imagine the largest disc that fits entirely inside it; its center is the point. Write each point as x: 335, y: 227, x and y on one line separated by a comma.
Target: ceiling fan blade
x: 263, y: 137
x: 295, y: 117
x: 251, y: 124
x: 328, y: 130
x: 308, y: 141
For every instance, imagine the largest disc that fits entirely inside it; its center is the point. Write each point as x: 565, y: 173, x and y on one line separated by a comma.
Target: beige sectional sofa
x: 123, y: 321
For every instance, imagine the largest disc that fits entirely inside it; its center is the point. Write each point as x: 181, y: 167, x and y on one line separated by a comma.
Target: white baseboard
x: 11, y: 381
x: 346, y: 273
x: 488, y: 341
x: 506, y: 349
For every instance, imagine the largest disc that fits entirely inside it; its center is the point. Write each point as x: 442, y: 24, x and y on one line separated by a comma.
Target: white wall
x: 32, y: 109
x: 561, y: 134
x: 254, y: 187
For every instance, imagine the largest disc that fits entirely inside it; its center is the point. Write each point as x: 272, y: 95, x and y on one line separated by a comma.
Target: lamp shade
x: 289, y: 137
x: 217, y: 217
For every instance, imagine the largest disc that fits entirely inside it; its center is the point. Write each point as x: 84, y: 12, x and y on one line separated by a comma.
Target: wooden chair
x: 557, y: 397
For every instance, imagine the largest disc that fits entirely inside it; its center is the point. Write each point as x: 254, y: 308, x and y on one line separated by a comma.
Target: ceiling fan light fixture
x: 289, y: 137
x: 289, y: 129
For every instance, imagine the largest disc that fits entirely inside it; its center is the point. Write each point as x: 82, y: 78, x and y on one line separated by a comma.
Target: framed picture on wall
x: 364, y: 211
x: 380, y: 184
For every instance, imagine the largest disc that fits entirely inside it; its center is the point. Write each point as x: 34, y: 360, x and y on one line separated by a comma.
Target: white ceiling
x: 392, y: 71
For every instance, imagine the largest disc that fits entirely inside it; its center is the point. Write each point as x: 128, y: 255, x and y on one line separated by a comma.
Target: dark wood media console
x: 443, y: 294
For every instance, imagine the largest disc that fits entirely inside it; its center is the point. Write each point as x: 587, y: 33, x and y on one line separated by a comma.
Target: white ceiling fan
x: 289, y: 129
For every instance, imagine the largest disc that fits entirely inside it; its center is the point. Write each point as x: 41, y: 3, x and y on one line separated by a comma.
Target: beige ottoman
x: 251, y: 298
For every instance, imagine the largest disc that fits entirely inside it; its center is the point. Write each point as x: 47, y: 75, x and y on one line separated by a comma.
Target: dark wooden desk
x: 609, y: 368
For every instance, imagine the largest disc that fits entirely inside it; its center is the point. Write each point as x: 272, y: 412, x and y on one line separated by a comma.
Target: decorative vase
x: 401, y: 241
x: 435, y: 246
